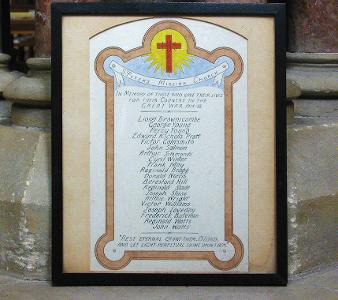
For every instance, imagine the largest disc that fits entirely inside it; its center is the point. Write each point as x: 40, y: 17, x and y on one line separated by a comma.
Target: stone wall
x: 312, y: 134
x: 312, y: 162
x: 313, y: 26
x: 25, y: 177
x: 312, y: 90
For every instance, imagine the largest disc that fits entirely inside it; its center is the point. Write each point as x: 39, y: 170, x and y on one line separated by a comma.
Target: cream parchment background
x: 261, y: 117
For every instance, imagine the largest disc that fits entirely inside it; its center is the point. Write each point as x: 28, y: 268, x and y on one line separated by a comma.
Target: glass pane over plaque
x: 168, y: 148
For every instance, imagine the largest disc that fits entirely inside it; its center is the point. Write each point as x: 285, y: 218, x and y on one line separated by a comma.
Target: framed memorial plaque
x: 169, y: 144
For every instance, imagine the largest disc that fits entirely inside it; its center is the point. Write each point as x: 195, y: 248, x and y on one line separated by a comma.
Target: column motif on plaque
x: 168, y: 186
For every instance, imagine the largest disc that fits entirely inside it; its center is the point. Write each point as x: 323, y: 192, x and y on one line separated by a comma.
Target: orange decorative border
x: 108, y: 236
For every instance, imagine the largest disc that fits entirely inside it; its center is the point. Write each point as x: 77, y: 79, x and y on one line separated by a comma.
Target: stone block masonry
x: 25, y: 175
x: 25, y: 202
x: 313, y: 161
x: 312, y: 193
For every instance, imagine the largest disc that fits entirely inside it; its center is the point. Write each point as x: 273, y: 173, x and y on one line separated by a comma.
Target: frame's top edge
x: 181, y: 8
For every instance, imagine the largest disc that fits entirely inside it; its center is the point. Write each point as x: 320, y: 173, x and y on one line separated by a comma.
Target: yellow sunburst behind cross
x: 169, y: 51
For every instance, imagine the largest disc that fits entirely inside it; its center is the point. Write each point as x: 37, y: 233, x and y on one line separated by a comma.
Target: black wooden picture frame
x: 277, y: 11
x: 5, y: 34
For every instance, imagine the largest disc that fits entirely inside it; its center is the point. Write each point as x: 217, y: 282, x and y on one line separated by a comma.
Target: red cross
x: 168, y: 46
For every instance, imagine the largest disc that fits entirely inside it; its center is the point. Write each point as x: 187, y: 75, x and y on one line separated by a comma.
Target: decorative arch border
x: 229, y: 236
